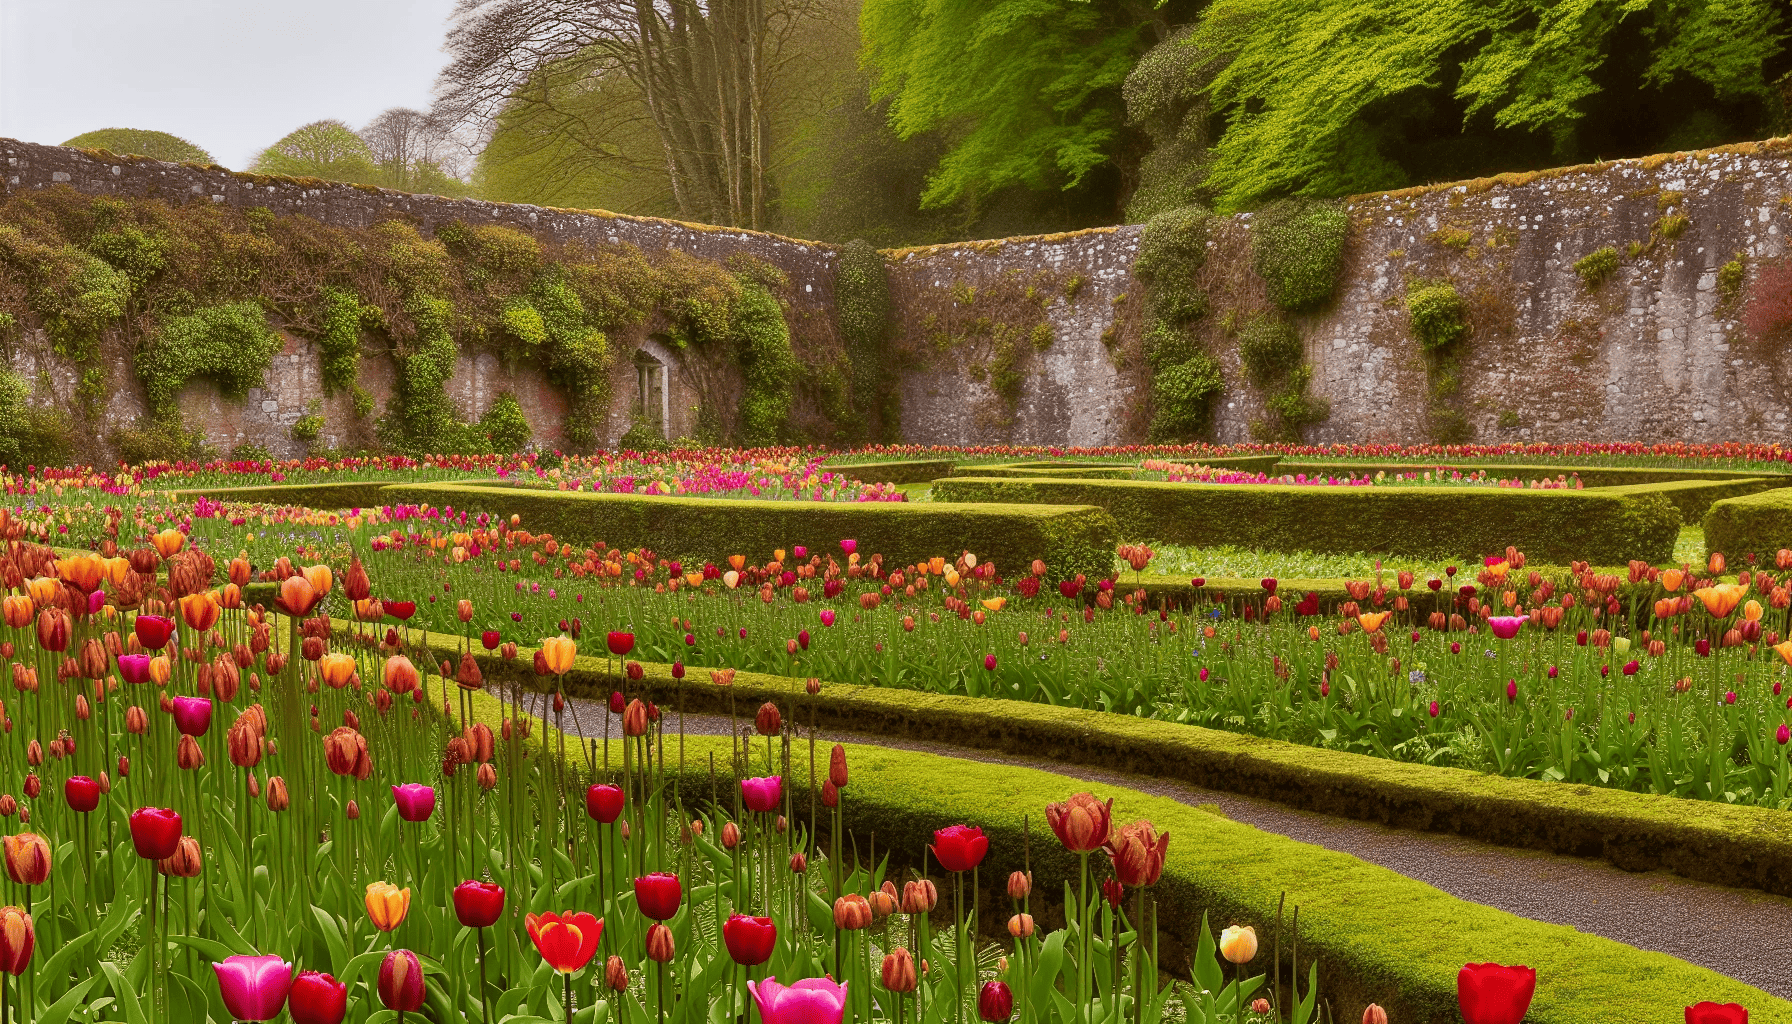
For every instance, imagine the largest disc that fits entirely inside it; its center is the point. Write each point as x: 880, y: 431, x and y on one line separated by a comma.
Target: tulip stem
x: 485, y: 1005
x: 568, y: 978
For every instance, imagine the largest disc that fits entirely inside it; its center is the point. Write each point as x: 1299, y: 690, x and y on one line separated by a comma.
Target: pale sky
x: 232, y: 76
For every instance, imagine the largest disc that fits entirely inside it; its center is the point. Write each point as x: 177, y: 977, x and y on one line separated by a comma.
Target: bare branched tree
x: 699, y: 72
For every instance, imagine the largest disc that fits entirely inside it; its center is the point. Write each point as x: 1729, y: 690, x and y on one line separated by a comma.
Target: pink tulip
x: 416, y: 802
x: 254, y: 987
x: 827, y: 616
x: 762, y: 795
x: 810, y: 1001
x: 1506, y: 626
x: 192, y: 715
x: 134, y: 668
x: 848, y: 545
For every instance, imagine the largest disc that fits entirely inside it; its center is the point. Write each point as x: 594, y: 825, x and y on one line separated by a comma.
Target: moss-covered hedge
x: 349, y: 494
x: 1071, y: 540
x: 1378, y: 936
x: 1550, y: 526
x: 905, y: 471
x: 1759, y: 523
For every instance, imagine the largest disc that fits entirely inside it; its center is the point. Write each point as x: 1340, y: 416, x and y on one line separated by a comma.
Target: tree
x: 322, y: 149
x: 409, y: 149
x: 1032, y: 87
x: 155, y: 145
x: 700, y: 74
x: 1329, y: 97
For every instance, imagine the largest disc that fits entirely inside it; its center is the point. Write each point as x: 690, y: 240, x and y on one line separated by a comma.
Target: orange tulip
x: 1784, y: 650
x: 337, y: 669
x: 387, y: 905
x: 319, y: 578
x: 115, y: 569
x: 737, y: 562
x: 43, y: 590
x: 1371, y: 621
x: 160, y: 670
x: 19, y: 611
x: 399, y: 675
x: 200, y: 611
x: 995, y: 604
x: 1671, y: 579
x: 559, y: 652
x: 1717, y: 563
x: 297, y: 596
x: 169, y: 542
x: 84, y: 571
x: 1722, y: 599
x: 1752, y: 611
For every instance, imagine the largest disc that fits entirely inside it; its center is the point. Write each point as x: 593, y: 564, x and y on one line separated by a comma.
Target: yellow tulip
x: 1239, y: 944
x: 1784, y: 650
x: 1752, y: 611
x: 559, y: 652
x: 951, y: 577
x: 1370, y: 621
x: 387, y: 904
x: 995, y: 604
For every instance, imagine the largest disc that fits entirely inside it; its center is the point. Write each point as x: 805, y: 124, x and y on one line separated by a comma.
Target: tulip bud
x: 1374, y: 1014
x: 899, y: 971
x: 730, y: 835
x: 188, y: 755
x: 659, y: 944
x: 487, y: 778
x: 837, y: 774
x: 768, y: 722
x: 354, y: 810
x: 1020, y: 926
x: 616, y: 974
x: 278, y: 800
x: 799, y: 864
x: 1020, y: 885
x: 186, y: 862
x: 852, y: 912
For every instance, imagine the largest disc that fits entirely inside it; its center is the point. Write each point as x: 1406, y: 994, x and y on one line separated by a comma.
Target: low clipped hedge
x: 1760, y: 523
x: 1591, y: 476
x: 1694, y: 498
x: 353, y: 494
x: 1549, y: 526
x: 904, y: 471
x: 1061, y: 469
x: 1377, y: 935
x: 1071, y: 540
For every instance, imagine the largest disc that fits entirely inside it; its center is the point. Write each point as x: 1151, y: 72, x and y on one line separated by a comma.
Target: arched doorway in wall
x: 653, y: 401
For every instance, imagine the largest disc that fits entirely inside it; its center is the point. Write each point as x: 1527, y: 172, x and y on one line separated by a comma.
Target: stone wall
x: 1654, y: 353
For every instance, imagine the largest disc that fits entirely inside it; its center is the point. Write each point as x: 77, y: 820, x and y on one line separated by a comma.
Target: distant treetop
x: 140, y: 142
x: 321, y: 149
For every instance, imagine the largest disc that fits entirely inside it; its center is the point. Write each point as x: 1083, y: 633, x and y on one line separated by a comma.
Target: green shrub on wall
x: 1184, y: 379
x: 1183, y: 394
x: 505, y: 426
x: 231, y: 344
x: 1437, y: 314
x: 766, y: 363
x: 1439, y: 321
x: 340, y: 339
x: 1298, y: 247
x: 862, y: 309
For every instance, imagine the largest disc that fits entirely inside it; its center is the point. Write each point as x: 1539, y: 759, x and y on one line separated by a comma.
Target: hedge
x: 1760, y: 523
x: 1549, y: 526
x: 1377, y: 935
x: 1063, y: 469
x: 1071, y: 540
x: 348, y: 494
x: 903, y: 471
x: 1695, y: 497
x: 1591, y: 476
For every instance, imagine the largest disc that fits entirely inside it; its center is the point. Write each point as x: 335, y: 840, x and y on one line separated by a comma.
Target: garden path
x: 1737, y: 932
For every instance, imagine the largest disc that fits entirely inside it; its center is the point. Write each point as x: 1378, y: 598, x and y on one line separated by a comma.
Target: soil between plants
x: 1736, y: 932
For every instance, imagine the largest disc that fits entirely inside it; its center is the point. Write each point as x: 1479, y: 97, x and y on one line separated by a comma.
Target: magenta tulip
x: 134, y: 668
x: 254, y: 987
x: 762, y: 795
x: 849, y: 545
x: 401, y: 981
x: 810, y: 1001
x: 603, y: 803
x: 1505, y: 626
x: 416, y: 802
x: 193, y: 715
x: 827, y: 616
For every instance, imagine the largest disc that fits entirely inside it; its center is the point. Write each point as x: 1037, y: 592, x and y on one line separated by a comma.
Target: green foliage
x: 250, y: 452
x: 322, y: 149
x: 15, y: 422
x: 642, y: 437
x: 159, y: 440
x: 767, y: 364
x: 1730, y: 278
x: 1270, y: 348
x: 1172, y: 248
x: 505, y: 426
x: 137, y: 253
x: 1164, y: 97
x: 1437, y: 313
x: 1182, y: 396
x: 232, y: 344
x: 862, y: 308
x: 1271, y: 351
x: 1298, y: 248
x: 425, y: 418
x: 1596, y: 266
x: 77, y: 295
x: 1322, y: 97
x: 339, y: 338
x: 306, y: 428
x: 141, y: 142
x: 1030, y: 88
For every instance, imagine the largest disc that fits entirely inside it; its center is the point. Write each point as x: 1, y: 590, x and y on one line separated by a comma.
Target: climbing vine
x: 862, y: 306
x: 1440, y: 324
x: 1185, y: 379
x: 231, y: 344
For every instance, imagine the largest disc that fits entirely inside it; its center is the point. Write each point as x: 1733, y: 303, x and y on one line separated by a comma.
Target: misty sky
x: 230, y: 75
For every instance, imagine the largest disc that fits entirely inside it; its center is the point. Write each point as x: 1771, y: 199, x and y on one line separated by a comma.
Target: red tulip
x: 750, y: 940
x: 400, y: 610
x: 995, y: 1003
x: 658, y: 895
x: 82, y: 793
x: 317, y: 999
x: 153, y: 631
x: 478, y: 904
x: 1492, y: 994
x: 989, y: 662
x: 490, y: 639
x: 155, y: 831
x: 566, y: 941
x: 604, y: 803
x: 18, y: 937
x: 959, y: 847
x: 620, y: 643
x: 1716, y: 1013
x: 401, y: 981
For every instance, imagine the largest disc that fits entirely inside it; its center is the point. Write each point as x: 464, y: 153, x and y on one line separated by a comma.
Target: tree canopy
x: 142, y: 142
x: 321, y: 149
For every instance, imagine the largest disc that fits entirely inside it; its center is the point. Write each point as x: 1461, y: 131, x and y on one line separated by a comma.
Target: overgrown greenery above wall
x: 1184, y: 378
x: 197, y: 291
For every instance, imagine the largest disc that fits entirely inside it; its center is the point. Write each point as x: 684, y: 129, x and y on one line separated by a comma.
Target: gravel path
x: 1736, y: 932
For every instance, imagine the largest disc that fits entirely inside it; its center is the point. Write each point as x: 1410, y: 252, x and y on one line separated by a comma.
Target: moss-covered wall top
x: 1639, y: 299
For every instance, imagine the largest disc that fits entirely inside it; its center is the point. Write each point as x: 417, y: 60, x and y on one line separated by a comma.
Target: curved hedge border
x: 1694, y: 498
x: 1550, y: 526
x: 1591, y: 476
x: 1071, y: 540
x: 351, y: 494
x: 905, y: 471
x: 1742, y: 847
x: 1377, y: 935
x: 1760, y: 523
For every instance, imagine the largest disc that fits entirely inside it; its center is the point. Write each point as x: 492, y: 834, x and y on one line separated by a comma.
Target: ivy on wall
x: 1185, y: 379
x: 862, y: 309
x: 231, y: 344
x: 1439, y: 320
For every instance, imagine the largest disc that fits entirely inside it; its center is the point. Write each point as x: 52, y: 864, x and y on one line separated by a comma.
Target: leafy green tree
x: 155, y: 145
x: 1331, y: 97
x: 1031, y: 89
x: 321, y: 149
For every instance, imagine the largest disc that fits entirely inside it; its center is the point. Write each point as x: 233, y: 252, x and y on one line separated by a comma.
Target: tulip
x: 658, y: 895
x: 768, y: 721
x: 603, y: 803
x: 1239, y: 944
x: 82, y: 793
x: 317, y: 998
x: 559, y: 652
x: 616, y: 974
x: 17, y: 939
x: 387, y: 905
x: 192, y: 715
x: 750, y: 940
x: 399, y: 675
x: 254, y: 987
x: 1716, y: 1013
x: 810, y: 1001
x: 1505, y: 626
x: 620, y: 643
x: 852, y: 912
x: 1374, y: 1014
x: 27, y: 858
x: 153, y: 631
x: 1138, y: 854
x: 401, y: 981
x: 959, y: 847
x: 899, y: 971
x: 995, y: 1003
x: 155, y: 832
x: 1492, y: 994
x: 762, y: 795
x: 660, y: 947
x: 187, y: 861
x: 1081, y: 823
x: 566, y: 941
x: 416, y: 802
x: 838, y: 774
